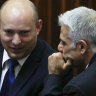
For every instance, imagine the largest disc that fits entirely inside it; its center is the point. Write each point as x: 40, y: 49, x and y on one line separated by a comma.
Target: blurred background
x: 49, y: 10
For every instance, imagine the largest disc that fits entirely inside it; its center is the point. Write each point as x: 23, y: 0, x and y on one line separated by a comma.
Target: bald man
x: 20, y: 27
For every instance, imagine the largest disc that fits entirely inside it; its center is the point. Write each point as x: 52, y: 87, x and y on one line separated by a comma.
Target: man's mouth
x: 16, y: 50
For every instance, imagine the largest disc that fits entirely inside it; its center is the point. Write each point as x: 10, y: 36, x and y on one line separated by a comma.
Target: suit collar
x: 1, y: 55
x: 37, y: 52
x: 29, y: 68
x: 93, y: 59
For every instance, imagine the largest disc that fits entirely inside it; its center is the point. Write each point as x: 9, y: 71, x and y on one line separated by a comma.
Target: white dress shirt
x: 6, y: 66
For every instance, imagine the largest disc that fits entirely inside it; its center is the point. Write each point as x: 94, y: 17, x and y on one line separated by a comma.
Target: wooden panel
x: 49, y: 22
x: 76, y: 3
x: 63, y: 5
x: 56, y: 8
x: 43, y: 14
x: 49, y: 11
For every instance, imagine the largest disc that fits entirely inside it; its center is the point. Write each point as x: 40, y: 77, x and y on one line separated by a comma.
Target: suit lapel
x: 26, y: 71
x: 1, y: 56
x: 92, y: 60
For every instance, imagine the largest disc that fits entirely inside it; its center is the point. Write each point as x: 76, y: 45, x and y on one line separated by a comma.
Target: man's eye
x: 24, y: 32
x: 9, y: 31
x: 64, y: 43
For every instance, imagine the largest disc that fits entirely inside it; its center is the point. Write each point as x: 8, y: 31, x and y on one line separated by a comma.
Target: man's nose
x: 60, y: 48
x: 16, y: 39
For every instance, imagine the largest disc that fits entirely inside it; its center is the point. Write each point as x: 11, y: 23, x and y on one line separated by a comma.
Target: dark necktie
x: 9, y: 77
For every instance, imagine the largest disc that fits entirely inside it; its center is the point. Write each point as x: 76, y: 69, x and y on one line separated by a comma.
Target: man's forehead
x: 64, y: 27
x: 16, y: 9
x: 64, y: 30
x: 13, y: 5
x: 64, y: 34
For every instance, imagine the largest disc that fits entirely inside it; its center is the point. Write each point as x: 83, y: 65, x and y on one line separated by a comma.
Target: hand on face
x: 57, y: 65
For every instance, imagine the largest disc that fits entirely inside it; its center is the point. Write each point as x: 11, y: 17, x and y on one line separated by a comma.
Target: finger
x: 68, y: 64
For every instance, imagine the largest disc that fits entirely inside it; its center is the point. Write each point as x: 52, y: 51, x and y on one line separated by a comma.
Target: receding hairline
x: 20, y: 3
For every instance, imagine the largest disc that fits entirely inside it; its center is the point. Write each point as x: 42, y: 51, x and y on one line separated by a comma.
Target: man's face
x: 18, y: 35
x: 65, y: 46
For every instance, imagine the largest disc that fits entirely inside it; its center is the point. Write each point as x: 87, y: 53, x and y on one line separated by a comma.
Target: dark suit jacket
x: 29, y: 81
x: 82, y: 85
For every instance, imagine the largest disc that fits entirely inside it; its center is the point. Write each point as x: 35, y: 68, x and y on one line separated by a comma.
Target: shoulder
x: 41, y: 51
x: 84, y: 83
x: 46, y: 48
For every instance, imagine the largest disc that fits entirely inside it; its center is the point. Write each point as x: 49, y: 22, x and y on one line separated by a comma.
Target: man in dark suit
x: 77, y: 50
x: 20, y: 27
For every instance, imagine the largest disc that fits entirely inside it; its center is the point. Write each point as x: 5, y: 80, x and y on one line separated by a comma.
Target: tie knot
x: 12, y: 63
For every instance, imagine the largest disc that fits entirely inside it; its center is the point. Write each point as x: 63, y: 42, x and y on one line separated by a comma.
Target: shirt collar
x: 91, y: 61
x: 6, y: 57
x: 87, y: 66
x: 21, y: 61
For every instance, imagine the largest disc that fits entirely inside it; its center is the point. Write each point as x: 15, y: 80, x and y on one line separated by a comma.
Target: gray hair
x: 82, y: 25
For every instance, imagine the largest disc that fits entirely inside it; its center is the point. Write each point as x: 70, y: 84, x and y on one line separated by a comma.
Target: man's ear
x: 39, y: 26
x: 82, y: 46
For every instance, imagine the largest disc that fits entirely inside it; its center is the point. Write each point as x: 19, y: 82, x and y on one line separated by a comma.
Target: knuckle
x: 49, y: 57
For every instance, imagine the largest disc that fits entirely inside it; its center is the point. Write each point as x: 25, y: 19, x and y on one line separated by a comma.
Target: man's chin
x: 15, y: 56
